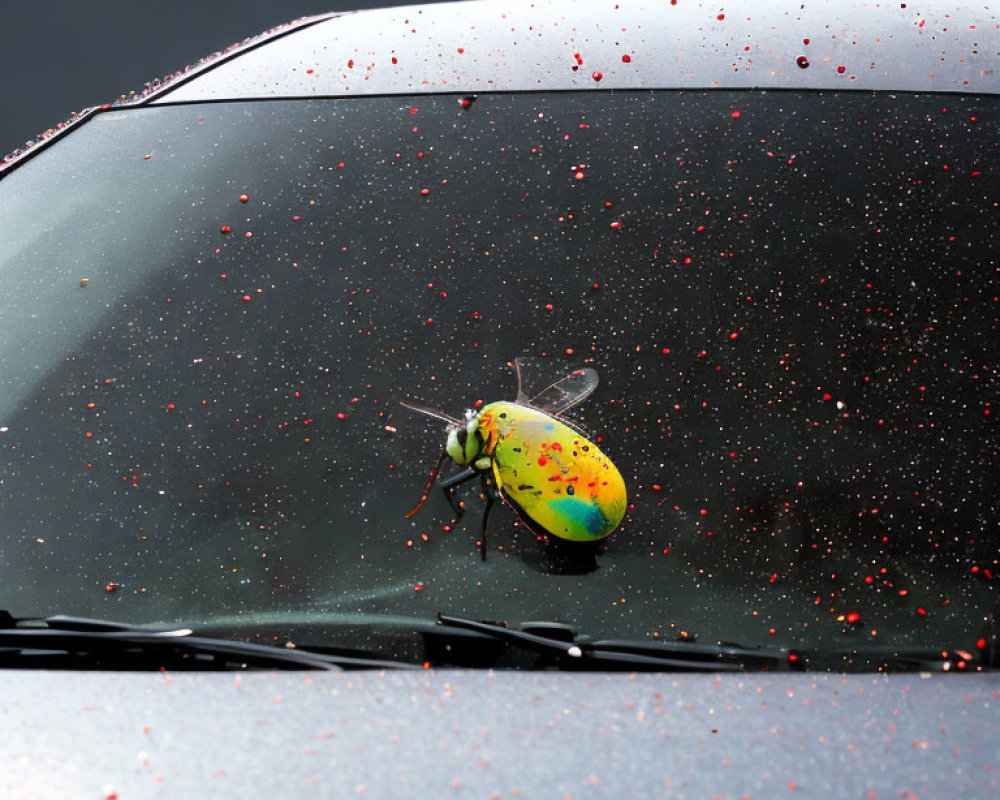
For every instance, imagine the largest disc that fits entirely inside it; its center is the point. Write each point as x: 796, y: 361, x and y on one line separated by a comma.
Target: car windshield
x: 212, y: 314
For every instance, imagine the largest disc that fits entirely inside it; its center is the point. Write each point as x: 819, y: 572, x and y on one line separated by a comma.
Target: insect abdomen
x: 553, y: 475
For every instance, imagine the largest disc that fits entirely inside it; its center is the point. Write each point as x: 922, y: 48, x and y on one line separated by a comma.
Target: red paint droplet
x: 626, y: 59
x: 805, y: 41
x: 736, y: 114
x: 841, y: 69
x: 597, y: 76
x: 616, y: 224
x: 170, y: 406
x: 244, y: 198
x: 430, y: 320
x: 853, y: 617
x: 802, y: 62
x: 734, y: 335
x: 341, y: 415
x: 425, y: 192
x: 246, y: 298
x: 578, y: 174
x: 721, y: 17
x: 224, y: 229
x: 418, y: 587
x: 657, y: 487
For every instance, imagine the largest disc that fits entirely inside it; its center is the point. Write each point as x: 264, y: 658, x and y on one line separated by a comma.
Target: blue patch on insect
x: 581, y: 513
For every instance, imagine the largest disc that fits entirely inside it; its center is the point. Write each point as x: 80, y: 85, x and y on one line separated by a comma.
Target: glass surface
x: 212, y: 312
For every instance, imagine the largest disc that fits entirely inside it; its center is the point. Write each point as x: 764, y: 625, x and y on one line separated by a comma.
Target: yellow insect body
x: 551, y: 473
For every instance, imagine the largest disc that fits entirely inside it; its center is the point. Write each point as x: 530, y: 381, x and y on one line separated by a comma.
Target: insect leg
x: 459, y: 477
x: 449, y: 484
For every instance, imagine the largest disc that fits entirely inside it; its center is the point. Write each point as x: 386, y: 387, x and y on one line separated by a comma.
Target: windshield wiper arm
x: 560, y: 645
x: 80, y: 643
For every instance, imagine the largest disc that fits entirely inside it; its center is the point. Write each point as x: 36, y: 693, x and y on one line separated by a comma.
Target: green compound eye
x: 465, y: 444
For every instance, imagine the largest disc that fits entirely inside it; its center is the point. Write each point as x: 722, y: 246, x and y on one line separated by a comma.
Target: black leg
x: 449, y: 484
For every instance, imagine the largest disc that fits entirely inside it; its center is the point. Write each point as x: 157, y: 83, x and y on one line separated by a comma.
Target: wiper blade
x: 561, y: 648
x: 62, y: 642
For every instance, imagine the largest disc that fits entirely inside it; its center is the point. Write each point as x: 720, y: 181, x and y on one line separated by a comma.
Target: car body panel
x: 500, y: 734
x: 488, y: 46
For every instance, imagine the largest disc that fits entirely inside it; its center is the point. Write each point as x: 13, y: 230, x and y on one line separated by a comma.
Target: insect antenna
x: 430, y: 483
x: 431, y: 412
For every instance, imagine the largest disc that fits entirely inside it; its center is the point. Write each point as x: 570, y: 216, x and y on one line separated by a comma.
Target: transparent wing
x: 555, y: 396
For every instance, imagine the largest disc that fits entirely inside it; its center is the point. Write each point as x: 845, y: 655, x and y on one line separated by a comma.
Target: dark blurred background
x: 64, y: 55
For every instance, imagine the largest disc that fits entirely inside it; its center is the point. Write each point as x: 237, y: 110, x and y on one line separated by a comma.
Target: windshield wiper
x: 552, y: 645
x: 560, y: 648
x: 63, y: 642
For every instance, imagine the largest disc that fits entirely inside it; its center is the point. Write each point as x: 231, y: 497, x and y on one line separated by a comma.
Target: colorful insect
x: 556, y: 480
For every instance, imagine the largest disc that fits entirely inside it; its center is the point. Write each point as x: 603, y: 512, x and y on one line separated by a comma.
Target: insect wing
x: 556, y: 396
